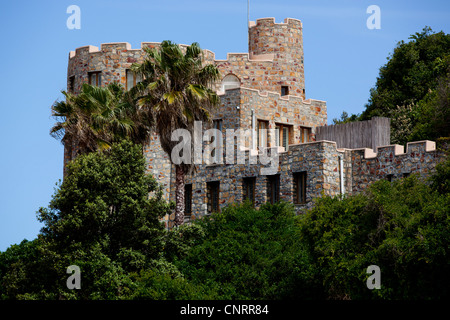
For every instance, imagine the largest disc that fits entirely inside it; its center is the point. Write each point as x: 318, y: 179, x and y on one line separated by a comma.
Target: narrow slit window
x: 262, y: 133
x: 300, y: 187
x: 213, y: 196
x: 188, y: 200
x: 249, y: 189
x: 273, y: 188
x: 217, y: 124
x: 71, y: 84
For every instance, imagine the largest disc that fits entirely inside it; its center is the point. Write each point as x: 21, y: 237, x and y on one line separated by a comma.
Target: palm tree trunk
x: 179, y: 195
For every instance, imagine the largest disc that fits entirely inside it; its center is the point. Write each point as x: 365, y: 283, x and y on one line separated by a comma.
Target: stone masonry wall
x: 275, y: 59
x: 366, y: 166
x: 318, y: 159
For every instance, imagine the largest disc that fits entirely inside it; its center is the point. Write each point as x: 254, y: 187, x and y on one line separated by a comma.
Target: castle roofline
x: 266, y: 93
x: 271, y: 20
x: 125, y: 45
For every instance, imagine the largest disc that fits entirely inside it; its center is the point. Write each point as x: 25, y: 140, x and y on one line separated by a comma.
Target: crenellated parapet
x: 392, y: 162
x: 274, y: 59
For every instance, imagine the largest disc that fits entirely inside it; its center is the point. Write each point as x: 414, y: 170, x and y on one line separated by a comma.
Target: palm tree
x: 176, y: 90
x: 96, y: 118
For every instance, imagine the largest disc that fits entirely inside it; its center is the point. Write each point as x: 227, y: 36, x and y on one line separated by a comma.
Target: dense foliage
x: 403, y: 227
x: 251, y: 254
x: 102, y: 220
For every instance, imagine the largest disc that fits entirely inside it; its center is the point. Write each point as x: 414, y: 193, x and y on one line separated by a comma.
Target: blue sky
x: 342, y: 59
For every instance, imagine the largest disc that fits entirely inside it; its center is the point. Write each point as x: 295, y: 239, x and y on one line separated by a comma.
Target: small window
x: 217, y: 124
x: 132, y: 79
x: 213, y: 190
x: 300, y: 187
x: 71, y: 84
x: 273, y: 188
x: 284, y: 90
x: 389, y: 177
x: 249, y: 189
x: 262, y: 133
x: 188, y: 200
x: 406, y: 174
x: 305, y: 134
x: 95, y: 78
x: 283, y: 135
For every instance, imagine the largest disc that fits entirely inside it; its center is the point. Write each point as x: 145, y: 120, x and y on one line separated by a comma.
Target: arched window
x: 230, y: 82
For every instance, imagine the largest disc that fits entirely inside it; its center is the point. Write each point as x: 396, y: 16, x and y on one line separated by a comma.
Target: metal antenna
x: 248, y: 13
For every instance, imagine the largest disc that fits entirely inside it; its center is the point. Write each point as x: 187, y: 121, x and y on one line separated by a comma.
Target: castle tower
x: 283, y: 43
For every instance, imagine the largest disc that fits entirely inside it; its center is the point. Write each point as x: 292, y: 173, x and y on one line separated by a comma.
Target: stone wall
x: 320, y: 161
x: 290, y: 110
x: 392, y: 162
x: 158, y: 164
x: 275, y: 58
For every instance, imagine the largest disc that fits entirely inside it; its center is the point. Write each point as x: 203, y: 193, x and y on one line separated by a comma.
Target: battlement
x: 274, y: 59
x: 396, y: 150
x: 123, y: 47
x: 271, y: 22
x: 277, y: 96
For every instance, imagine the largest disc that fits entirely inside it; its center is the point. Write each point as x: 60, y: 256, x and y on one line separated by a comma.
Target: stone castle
x: 265, y: 89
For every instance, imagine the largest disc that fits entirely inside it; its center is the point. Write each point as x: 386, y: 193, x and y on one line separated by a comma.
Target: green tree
x: 247, y: 253
x: 105, y: 198
x: 97, y: 117
x: 175, y: 92
x: 416, y: 72
x: 101, y: 219
x: 413, y: 89
x: 403, y: 227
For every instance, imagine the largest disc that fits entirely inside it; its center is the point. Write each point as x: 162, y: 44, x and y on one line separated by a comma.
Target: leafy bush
x: 251, y: 254
x: 403, y: 227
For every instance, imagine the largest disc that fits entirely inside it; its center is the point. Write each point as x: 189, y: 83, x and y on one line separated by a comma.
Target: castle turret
x: 283, y: 43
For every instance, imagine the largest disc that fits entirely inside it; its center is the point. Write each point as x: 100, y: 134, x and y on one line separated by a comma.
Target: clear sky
x: 342, y: 58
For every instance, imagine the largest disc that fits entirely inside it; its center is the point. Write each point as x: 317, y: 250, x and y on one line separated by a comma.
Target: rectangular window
x: 213, y: 191
x: 389, y: 177
x: 273, y: 188
x: 188, y: 200
x: 132, y: 79
x: 284, y: 90
x: 283, y: 135
x: 249, y: 189
x: 406, y: 174
x: 300, y: 187
x: 71, y: 84
x: 95, y: 78
x: 217, y: 124
x: 305, y: 134
x: 263, y: 126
